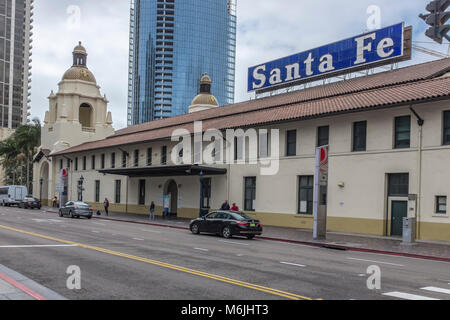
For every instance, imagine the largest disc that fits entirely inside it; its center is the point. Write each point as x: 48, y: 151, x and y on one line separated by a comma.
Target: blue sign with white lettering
x: 374, y: 47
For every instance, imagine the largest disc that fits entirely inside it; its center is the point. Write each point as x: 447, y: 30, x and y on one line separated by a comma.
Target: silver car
x: 76, y: 209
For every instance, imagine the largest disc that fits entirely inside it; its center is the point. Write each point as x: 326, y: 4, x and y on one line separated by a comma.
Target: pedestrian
x: 152, y: 211
x: 225, y: 206
x: 106, y: 205
x: 235, y: 207
x: 55, y: 202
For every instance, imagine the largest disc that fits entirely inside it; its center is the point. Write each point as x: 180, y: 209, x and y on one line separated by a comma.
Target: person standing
x: 106, y: 205
x: 235, y: 207
x: 152, y: 211
x: 225, y: 206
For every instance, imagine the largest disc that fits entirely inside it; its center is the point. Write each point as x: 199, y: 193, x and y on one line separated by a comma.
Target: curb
x: 307, y: 243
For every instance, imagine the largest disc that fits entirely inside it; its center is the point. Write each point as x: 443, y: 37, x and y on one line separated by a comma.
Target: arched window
x: 86, y: 115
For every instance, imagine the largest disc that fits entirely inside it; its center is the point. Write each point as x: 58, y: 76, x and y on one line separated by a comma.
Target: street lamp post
x: 201, y: 194
x: 41, y: 181
x: 80, y: 188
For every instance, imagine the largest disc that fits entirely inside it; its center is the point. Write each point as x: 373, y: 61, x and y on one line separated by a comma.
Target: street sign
x: 59, y: 188
x: 323, y: 166
x: 320, y: 194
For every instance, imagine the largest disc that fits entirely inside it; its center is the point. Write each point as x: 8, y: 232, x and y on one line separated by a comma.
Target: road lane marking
x: 436, y: 289
x: 293, y: 264
x: 407, y: 296
x: 138, y: 239
x: 380, y: 262
x: 94, y: 231
x: 150, y: 231
x: 201, y: 249
x: 40, y: 246
x: 232, y: 242
x: 248, y: 285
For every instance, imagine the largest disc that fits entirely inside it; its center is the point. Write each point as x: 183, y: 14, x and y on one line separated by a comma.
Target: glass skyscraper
x: 15, y: 69
x: 172, y: 44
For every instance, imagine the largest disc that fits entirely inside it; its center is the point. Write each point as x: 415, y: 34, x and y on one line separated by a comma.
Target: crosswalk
x: 426, y: 293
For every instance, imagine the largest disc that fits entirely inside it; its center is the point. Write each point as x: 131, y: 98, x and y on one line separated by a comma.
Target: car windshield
x: 242, y: 215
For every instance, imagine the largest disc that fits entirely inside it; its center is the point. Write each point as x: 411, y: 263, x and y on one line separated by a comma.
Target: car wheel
x: 60, y: 213
x: 195, y: 228
x: 226, y: 232
x: 89, y: 217
x: 250, y: 236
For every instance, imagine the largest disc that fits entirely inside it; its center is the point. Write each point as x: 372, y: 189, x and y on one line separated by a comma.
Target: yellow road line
x: 168, y: 266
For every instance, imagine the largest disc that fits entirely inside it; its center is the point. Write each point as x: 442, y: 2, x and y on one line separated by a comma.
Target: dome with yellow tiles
x: 79, y: 69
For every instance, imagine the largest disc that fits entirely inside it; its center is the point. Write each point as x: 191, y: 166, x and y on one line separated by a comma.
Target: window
x: 149, y: 157
x: 250, y: 193
x: 76, y: 164
x: 359, y: 136
x: 441, y: 205
x: 84, y: 163
x: 206, y: 193
x: 323, y: 135
x: 239, y: 148
x: 103, y: 161
x: 97, y: 190
x: 291, y: 143
x: 93, y: 163
x: 398, y: 185
x: 68, y: 163
x: 164, y: 155
x: 124, y: 159
x: 263, y: 144
x: 305, y: 194
x: 402, y: 132
x: 113, y: 160
x: 61, y: 164
x: 118, y: 186
x: 136, y: 158
x: 447, y: 128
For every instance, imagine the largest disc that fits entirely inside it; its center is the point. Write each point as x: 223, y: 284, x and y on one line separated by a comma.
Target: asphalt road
x: 129, y: 261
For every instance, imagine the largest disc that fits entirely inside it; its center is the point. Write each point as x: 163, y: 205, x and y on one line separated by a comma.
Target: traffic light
x: 437, y: 19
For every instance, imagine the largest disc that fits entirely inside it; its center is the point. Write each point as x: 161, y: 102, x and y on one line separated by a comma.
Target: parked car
x: 227, y: 224
x: 76, y: 209
x: 12, y: 195
x: 30, y: 202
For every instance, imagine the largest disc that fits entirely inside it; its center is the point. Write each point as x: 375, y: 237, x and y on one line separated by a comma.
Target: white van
x: 12, y: 195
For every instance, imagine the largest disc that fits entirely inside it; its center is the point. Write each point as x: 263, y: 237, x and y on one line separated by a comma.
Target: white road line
x: 95, y: 231
x: 151, y: 231
x: 242, y: 244
x: 407, y: 296
x: 138, y: 239
x: 98, y: 223
x: 293, y: 264
x: 380, y: 262
x: 40, y: 246
x: 436, y: 289
x: 201, y: 249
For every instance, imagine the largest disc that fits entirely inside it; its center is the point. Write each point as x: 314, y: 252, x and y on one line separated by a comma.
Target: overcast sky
x: 267, y: 29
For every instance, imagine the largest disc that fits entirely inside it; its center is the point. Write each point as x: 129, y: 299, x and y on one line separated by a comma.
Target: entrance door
x: 399, y: 211
x: 141, y: 192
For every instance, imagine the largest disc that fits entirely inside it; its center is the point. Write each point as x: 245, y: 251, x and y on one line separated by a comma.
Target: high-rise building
x: 15, y: 59
x: 173, y: 43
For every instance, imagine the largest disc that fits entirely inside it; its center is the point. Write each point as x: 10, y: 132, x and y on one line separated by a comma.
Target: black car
x: 76, y: 209
x: 30, y: 202
x: 227, y: 224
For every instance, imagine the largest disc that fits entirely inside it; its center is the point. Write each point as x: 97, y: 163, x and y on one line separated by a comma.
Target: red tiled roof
x: 407, y: 85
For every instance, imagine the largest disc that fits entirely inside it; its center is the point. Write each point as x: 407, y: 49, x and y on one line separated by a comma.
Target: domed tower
x: 78, y: 112
x: 204, y: 100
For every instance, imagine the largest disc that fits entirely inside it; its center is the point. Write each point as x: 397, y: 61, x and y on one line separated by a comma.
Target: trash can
x: 409, y: 230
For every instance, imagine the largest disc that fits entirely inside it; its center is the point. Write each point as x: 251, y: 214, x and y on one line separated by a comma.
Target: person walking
x: 235, y: 207
x: 55, y: 202
x: 106, y: 205
x: 152, y: 211
x: 225, y: 206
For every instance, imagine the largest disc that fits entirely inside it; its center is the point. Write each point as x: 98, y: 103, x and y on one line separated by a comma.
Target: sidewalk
x: 339, y: 241
x: 14, y: 286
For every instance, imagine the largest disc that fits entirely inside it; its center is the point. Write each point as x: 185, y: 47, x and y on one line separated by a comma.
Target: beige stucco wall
x: 361, y: 206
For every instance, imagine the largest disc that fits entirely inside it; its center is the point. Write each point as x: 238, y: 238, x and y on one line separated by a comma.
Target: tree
x: 18, y: 150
